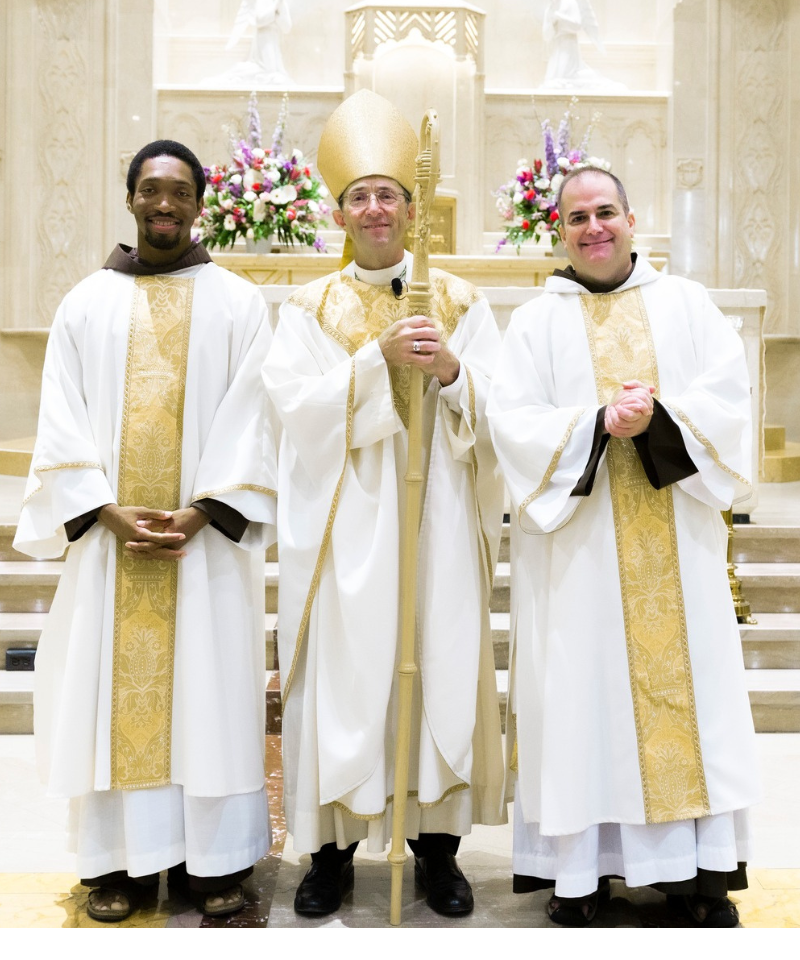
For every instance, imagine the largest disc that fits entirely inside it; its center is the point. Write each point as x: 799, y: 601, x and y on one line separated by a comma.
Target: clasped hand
x: 153, y: 534
x: 397, y: 345
x: 630, y: 411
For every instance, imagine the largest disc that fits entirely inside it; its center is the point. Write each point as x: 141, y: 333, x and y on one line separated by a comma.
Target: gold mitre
x: 367, y: 136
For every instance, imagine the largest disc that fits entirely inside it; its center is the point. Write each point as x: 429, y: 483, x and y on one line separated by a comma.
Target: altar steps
x: 781, y: 456
x: 768, y: 564
x: 15, y: 456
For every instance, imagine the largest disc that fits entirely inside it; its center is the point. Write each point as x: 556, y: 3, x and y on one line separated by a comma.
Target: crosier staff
x: 419, y: 300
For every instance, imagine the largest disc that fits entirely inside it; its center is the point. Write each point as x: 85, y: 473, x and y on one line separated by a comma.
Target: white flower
x: 285, y: 194
x: 249, y: 196
x: 209, y: 190
x: 313, y: 206
x: 260, y: 209
x: 522, y: 163
x: 555, y: 183
x: 564, y: 163
x: 306, y: 185
x: 542, y: 184
x: 323, y: 191
x: 518, y: 197
x: 226, y: 204
x: 251, y: 177
x: 229, y: 223
x: 258, y: 153
x: 251, y: 234
x: 297, y: 155
x: 236, y: 178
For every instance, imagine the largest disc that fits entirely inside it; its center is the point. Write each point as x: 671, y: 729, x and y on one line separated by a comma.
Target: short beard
x: 159, y: 241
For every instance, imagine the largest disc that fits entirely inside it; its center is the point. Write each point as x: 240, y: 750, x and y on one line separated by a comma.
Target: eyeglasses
x: 359, y: 199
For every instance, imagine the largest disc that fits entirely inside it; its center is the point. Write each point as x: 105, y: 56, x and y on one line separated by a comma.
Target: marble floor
x: 39, y: 889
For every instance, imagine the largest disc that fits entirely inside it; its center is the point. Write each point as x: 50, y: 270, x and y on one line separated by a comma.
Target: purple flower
x: 549, y: 150
x: 501, y: 244
x: 235, y: 189
x: 563, y: 136
x: 254, y: 121
x: 319, y: 244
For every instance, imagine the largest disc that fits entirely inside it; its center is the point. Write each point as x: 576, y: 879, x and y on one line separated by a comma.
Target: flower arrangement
x: 528, y: 202
x: 262, y: 192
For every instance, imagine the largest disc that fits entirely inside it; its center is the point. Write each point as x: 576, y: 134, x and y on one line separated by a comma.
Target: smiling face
x: 165, y: 206
x: 596, y: 231
x: 376, y: 231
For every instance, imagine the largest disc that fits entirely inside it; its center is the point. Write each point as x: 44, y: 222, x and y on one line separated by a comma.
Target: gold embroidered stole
x: 145, y: 598
x: 670, y: 761
x: 354, y: 314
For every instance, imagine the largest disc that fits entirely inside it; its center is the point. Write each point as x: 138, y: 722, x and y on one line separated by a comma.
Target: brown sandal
x: 222, y: 902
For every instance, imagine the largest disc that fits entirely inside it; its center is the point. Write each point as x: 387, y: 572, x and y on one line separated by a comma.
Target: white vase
x: 262, y: 245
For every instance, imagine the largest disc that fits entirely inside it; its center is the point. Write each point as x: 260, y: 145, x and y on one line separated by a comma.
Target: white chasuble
x: 627, y: 696
x: 342, y: 462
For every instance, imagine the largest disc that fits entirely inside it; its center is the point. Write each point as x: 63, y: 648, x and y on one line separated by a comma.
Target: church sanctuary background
x: 694, y: 103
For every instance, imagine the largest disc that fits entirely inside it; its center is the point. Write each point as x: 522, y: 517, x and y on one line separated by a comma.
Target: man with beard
x: 155, y: 460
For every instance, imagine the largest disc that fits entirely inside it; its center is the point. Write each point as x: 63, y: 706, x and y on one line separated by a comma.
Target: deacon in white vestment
x: 338, y: 376
x: 155, y: 460
x: 620, y: 412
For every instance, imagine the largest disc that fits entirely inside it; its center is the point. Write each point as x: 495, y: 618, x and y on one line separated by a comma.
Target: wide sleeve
x: 238, y: 462
x: 68, y: 477
x: 542, y: 444
x: 713, y: 411
x: 327, y: 399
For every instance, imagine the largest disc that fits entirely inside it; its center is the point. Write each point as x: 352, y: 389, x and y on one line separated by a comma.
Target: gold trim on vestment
x: 670, y: 759
x: 473, y: 419
x: 708, y: 445
x: 456, y: 788
x: 551, y: 468
x: 326, y: 538
x: 146, y: 591
x: 353, y: 313
x: 252, y: 487
x: 77, y: 465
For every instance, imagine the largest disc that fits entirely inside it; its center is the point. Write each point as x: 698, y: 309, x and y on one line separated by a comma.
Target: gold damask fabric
x: 354, y: 314
x: 145, y: 599
x: 670, y: 761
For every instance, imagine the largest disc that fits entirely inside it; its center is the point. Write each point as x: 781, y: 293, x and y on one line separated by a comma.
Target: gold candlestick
x: 740, y: 604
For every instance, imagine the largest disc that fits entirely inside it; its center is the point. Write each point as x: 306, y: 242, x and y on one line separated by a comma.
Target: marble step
x: 771, y: 587
x: 772, y: 643
x: 774, y: 437
x: 774, y: 699
x: 782, y: 466
x: 15, y: 456
x: 768, y: 544
x: 22, y: 630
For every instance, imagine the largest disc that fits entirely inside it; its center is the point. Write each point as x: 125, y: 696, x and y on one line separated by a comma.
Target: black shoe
x: 322, y: 888
x: 448, y: 890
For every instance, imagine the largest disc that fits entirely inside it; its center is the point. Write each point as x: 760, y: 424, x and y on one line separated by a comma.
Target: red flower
x: 295, y: 174
x: 530, y: 196
x: 256, y: 187
x: 553, y: 216
x: 217, y: 178
x: 525, y: 224
x: 291, y: 213
x: 537, y: 165
x: 306, y: 171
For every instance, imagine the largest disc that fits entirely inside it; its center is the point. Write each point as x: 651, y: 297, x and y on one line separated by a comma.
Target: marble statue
x: 563, y: 22
x: 264, y: 65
